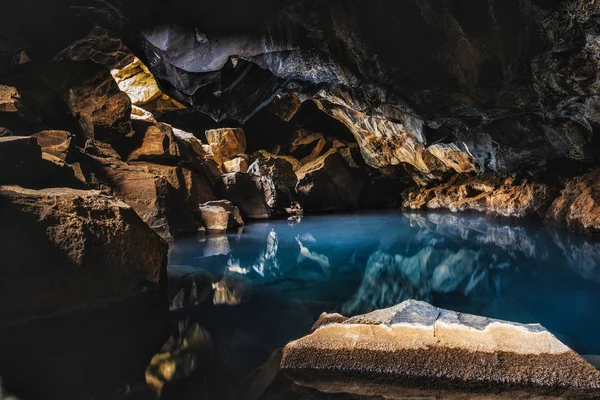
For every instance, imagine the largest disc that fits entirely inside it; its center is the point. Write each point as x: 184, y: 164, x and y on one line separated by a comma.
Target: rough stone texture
x: 90, y: 249
x: 139, y: 84
x: 278, y: 181
x: 23, y: 163
x: 226, y: 142
x: 165, y: 197
x: 577, y: 207
x: 79, y: 97
x: 417, y: 346
x: 329, y: 183
x: 246, y: 192
x: 60, y: 144
x: 237, y: 164
x: 220, y: 216
x: 492, y: 194
x: 153, y: 142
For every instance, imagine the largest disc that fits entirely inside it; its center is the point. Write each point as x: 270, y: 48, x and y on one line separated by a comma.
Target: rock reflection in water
x: 354, y: 264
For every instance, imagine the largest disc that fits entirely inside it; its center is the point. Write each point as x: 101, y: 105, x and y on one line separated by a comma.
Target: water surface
x: 273, y: 279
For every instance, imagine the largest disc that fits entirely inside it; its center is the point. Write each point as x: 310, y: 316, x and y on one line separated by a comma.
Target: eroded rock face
x: 90, y: 249
x: 416, y: 349
x: 577, y: 207
x: 220, y: 216
x: 226, y: 142
x: 246, y: 191
x: 329, y: 183
x: 278, y: 181
x: 492, y: 194
x: 60, y: 144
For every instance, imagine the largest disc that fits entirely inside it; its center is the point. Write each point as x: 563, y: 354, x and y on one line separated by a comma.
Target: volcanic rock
x: 492, y: 194
x: 226, y: 142
x: 329, y: 183
x: 90, y: 249
x: 220, y: 216
x: 416, y: 349
x: 278, y: 181
x: 246, y: 192
x: 578, y: 206
x: 60, y: 144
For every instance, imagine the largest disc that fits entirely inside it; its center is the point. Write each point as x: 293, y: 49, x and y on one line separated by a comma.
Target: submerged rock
x: 417, y: 349
x: 90, y: 249
x: 578, y: 206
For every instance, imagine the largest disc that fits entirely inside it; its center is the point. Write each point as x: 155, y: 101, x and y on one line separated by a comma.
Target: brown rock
x: 278, y: 181
x: 237, y: 164
x: 90, y: 249
x: 285, y: 106
x: 417, y: 350
x: 60, y: 144
x: 165, y: 197
x: 136, y: 80
x: 153, y: 142
x: 220, y: 216
x: 329, y: 183
x: 307, y: 145
x: 246, y: 192
x: 578, y: 206
x: 492, y: 194
x: 226, y: 142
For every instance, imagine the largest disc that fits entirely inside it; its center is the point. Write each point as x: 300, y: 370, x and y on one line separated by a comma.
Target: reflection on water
x: 271, y: 281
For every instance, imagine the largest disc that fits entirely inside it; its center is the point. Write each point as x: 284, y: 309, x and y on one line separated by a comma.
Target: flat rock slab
x: 416, y: 349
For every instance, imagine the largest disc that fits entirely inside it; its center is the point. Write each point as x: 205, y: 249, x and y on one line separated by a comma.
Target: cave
x: 299, y: 199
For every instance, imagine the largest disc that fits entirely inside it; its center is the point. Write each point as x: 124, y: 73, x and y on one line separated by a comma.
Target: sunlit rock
x: 60, y: 144
x: 237, y: 164
x: 578, y: 206
x: 329, y: 183
x: 416, y: 349
x: 220, y: 216
x: 90, y: 249
x: 492, y: 194
x: 226, y: 142
x: 152, y: 142
x: 139, y: 84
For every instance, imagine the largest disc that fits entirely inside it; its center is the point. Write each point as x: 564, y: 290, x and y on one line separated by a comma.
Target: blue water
x: 280, y: 276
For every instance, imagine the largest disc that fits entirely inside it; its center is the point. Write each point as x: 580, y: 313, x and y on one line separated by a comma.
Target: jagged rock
x: 492, y: 194
x: 577, y: 207
x: 296, y: 165
x: 307, y: 145
x: 165, y: 197
x: 60, y: 144
x: 415, y: 349
x: 246, y: 192
x: 90, y: 249
x: 329, y: 183
x: 79, y: 97
x: 226, y: 142
x: 139, y: 84
x: 23, y: 163
x: 220, y: 216
x: 237, y: 164
x: 153, y: 142
x: 285, y: 106
x: 141, y: 114
x: 278, y: 181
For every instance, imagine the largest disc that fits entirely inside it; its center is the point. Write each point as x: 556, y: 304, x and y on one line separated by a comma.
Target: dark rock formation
x: 415, y: 349
x: 90, y: 250
x: 246, y: 191
x: 220, y: 216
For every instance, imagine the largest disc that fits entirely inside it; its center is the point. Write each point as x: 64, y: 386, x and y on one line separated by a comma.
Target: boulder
x: 60, y: 144
x: 246, y: 192
x: 139, y: 84
x: 497, y: 195
x: 578, y: 206
x: 329, y: 183
x: 226, y: 142
x: 152, y: 142
x: 90, y: 249
x: 220, y: 216
x: 285, y: 106
x: 165, y: 197
x: 278, y: 181
x: 237, y: 164
x: 415, y: 349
